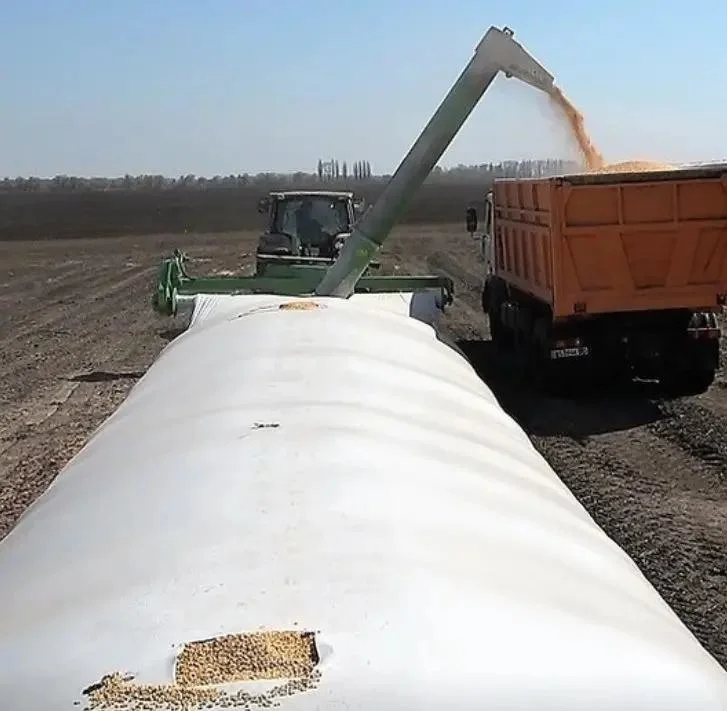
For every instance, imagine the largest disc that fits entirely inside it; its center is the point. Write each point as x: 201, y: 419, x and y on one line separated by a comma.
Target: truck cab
x: 486, y: 237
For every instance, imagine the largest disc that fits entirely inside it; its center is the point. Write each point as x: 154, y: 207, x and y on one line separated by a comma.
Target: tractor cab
x: 307, y: 226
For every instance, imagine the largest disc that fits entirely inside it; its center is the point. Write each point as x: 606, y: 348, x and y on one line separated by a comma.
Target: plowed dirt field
x: 77, y: 330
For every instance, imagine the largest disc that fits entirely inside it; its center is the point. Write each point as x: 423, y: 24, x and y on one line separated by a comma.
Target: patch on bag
x: 301, y: 306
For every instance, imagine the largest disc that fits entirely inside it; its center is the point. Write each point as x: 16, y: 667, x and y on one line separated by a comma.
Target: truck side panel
x: 618, y: 246
x: 523, y: 225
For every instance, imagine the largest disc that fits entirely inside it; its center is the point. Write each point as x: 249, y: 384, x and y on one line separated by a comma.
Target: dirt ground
x: 77, y: 331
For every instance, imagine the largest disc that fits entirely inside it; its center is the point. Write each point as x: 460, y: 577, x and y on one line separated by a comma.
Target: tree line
x: 337, y: 174
x: 332, y: 171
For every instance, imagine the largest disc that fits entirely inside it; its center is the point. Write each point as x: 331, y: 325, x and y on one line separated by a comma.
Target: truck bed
x: 611, y: 242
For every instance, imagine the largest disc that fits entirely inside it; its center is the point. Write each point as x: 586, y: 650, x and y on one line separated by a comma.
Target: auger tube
x: 497, y: 51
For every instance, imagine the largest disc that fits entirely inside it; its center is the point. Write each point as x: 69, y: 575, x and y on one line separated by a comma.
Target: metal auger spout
x: 497, y: 51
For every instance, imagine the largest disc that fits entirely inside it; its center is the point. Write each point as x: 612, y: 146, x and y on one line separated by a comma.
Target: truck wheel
x: 690, y: 368
x: 549, y: 377
x: 497, y: 328
x: 503, y: 337
x: 536, y: 365
x: 688, y: 382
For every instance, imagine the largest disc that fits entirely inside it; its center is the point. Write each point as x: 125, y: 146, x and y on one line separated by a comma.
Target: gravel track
x: 77, y: 331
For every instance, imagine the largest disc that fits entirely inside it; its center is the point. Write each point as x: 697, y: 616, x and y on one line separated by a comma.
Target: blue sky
x: 222, y: 86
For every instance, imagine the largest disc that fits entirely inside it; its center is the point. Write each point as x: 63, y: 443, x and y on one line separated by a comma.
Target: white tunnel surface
x: 338, y: 470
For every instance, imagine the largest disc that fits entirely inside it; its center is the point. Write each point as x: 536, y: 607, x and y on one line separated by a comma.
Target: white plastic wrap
x: 340, y: 470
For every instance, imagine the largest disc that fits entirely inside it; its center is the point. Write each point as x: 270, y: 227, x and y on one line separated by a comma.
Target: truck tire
x: 550, y: 377
x: 690, y: 366
x: 537, y: 361
x: 687, y: 381
x: 501, y: 335
x: 485, y: 301
x: 497, y: 328
x: 494, y: 296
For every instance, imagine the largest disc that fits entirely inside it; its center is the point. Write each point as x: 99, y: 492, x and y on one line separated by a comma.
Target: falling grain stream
x: 592, y: 157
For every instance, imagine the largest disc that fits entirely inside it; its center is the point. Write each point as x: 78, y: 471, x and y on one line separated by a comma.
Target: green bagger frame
x: 280, y: 279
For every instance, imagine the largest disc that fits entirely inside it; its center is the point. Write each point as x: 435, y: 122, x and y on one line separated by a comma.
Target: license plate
x: 556, y: 353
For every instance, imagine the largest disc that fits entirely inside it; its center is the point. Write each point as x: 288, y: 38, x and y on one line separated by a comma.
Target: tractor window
x: 332, y: 215
x: 326, y: 218
x: 285, y: 217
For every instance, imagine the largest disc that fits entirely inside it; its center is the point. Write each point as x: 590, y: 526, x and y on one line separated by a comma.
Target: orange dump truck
x: 619, y: 272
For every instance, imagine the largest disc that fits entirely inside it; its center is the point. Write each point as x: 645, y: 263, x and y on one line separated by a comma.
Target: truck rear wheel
x: 689, y: 376
x: 551, y: 377
x: 498, y: 332
x: 536, y: 360
x: 687, y: 381
x: 691, y: 362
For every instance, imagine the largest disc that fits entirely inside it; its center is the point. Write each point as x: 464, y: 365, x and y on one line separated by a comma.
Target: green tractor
x: 305, y: 227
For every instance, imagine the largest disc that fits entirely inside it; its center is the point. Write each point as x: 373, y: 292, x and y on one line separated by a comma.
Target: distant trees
x: 330, y: 171
x: 362, y: 170
x: 509, y: 169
